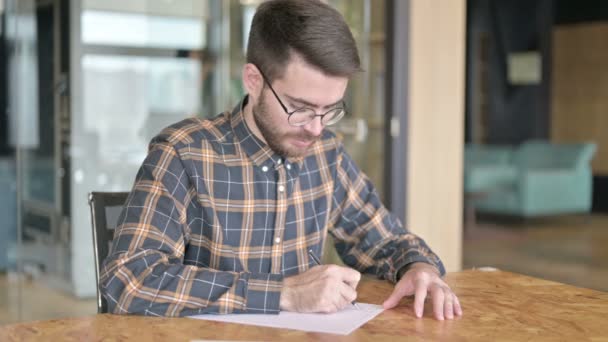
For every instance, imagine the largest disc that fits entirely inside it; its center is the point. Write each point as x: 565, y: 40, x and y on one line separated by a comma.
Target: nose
x: 315, y: 127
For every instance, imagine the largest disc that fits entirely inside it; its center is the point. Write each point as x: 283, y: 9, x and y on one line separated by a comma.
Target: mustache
x: 306, y: 137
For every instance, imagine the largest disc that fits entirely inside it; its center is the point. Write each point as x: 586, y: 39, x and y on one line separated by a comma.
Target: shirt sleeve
x: 367, y: 236
x: 144, y: 272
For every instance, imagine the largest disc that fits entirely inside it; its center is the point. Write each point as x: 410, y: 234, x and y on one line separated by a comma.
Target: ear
x: 252, y: 81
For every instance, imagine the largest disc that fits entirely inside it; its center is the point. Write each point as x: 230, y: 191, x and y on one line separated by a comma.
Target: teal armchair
x: 487, y: 168
x: 541, y: 179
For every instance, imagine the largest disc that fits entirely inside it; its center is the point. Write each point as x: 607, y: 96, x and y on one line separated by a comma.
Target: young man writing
x: 224, y: 212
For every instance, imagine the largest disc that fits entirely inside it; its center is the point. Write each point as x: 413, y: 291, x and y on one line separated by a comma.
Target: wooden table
x: 497, y: 305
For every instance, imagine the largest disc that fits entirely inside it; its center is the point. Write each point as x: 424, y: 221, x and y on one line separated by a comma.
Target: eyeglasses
x: 305, y: 115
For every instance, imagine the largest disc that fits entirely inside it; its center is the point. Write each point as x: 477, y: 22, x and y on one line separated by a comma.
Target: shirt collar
x: 259, y: 152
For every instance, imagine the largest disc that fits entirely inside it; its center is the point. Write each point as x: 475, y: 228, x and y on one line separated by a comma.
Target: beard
x: 277, y: 140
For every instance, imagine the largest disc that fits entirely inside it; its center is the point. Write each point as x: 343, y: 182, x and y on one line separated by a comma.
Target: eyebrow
x: 310, y: 104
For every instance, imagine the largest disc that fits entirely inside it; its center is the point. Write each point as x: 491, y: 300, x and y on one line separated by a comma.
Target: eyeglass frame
x: 289, y: 114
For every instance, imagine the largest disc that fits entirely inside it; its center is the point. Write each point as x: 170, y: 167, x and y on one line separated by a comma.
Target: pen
x: 318, y: 262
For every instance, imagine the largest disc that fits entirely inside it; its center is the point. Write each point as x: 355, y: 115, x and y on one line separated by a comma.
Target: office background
x: 85, y: 84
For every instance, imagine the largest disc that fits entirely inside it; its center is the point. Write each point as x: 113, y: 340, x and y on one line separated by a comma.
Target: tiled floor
x: 571, y: 250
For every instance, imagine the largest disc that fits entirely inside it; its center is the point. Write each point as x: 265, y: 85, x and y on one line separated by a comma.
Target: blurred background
x: 482, y: 123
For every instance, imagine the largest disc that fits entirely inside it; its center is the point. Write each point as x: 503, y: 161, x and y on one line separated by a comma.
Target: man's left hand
x: 422, y: 279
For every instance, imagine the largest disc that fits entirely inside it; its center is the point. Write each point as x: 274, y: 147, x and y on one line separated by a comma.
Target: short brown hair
x: 313, y: 30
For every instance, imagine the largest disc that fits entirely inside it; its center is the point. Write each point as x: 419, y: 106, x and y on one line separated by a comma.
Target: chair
x: 539, y: 178
x: 105, y: 209
x: 488, y: 168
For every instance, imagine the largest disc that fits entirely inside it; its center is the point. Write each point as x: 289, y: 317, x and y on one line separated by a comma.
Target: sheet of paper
x: 343, y: 322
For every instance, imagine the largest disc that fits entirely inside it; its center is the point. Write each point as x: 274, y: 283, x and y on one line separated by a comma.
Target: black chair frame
x: 103, y: 234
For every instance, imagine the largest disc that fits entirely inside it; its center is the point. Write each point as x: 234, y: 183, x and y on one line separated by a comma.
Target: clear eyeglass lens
x: 305, y: 115
x: 333, y: 117
x: 302, y: 116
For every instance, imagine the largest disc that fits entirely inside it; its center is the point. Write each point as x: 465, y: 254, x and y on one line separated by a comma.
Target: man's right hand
x: 326, y: 288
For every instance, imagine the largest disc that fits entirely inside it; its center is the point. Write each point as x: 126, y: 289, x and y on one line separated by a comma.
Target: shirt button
x: 277, y: 240
x: 288, y: 166
x: 281, y: 188
x: 279, y: 162
x: 264, y: 168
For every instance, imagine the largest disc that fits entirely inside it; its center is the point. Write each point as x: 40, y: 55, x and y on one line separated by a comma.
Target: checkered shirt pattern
x: 216, y: 220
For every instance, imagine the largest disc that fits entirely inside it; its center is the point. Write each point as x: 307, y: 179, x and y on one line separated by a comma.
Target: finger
x: 457, y: 307
x: 329, y: 308
x: 448, y: 305
x: 438, y: 301
x: 335, y: 309
x: 419, y: 298
x: 345, y: 292
x: 349, y: 276
x: 394, y: 298
x: 348, y: 293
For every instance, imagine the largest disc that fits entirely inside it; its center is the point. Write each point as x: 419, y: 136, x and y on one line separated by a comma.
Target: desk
x: 496, y: 305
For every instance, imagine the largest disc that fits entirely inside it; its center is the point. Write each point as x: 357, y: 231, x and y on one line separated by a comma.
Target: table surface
x: 497, y: 305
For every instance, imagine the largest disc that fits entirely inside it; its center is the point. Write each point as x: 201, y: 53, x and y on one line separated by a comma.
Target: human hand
x: 326, y: 288
x: 422, y: 279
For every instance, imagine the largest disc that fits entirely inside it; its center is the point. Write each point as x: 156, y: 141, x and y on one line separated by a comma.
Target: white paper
x: 342, y: 322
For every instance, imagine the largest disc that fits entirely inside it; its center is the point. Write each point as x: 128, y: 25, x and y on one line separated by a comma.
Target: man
x: 227, y: 214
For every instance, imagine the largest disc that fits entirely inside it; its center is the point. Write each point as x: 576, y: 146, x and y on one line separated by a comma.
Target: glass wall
x: 8, y: 197
x: 364, y: 128
x: 35, y: 224
x: 136, y: 68
x: 92, y: 81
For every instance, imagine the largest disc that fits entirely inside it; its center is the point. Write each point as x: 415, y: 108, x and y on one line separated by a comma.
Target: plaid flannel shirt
x: 216, y: 219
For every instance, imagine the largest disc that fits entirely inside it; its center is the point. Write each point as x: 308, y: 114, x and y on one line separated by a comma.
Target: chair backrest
x: 487, y: 155
x: 544, y: 154
x: 105, y: 209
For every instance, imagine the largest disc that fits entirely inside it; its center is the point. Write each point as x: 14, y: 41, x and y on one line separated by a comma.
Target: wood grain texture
x: 579, y: 86
x: 497, y: 305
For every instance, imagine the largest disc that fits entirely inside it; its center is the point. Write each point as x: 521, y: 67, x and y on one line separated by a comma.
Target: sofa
x: 537, y: 178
